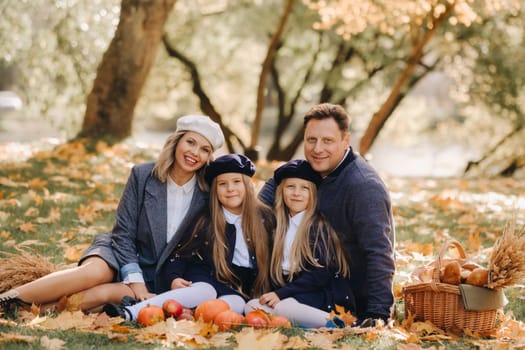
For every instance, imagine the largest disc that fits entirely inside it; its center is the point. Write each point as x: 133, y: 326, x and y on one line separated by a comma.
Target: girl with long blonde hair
x: 308, y: 269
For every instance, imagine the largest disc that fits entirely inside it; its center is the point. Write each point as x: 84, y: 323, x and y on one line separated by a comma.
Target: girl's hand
x: 180, y: 283
x: 140, y: 291
x: 271, y: 299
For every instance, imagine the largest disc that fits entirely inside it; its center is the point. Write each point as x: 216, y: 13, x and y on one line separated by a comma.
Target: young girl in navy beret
x: 226, y: 254
x: 307, y: 264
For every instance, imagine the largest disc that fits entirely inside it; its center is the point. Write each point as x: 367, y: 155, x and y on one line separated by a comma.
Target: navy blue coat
x: 320, y: 287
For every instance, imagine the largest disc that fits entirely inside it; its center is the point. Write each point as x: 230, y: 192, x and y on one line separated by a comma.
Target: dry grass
x: 17, y: 269
x: 507, y: 260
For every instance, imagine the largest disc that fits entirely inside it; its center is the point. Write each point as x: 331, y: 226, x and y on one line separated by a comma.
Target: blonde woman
x: 159, y: 200
x: 226, y: 255
x: 308, y: 266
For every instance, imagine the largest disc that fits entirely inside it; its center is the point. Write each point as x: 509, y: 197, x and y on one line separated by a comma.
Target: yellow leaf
x: 5, y: 235
x: 69, y: 320
x: 75, y: 252
x: 208, y: 329
x: 296, y: 342
x: 74, y: 301
x: 37, y: 183
x: 118, y: 338
x: 474, y: 241
x: 16, y: 338
x: 4, y: 181
x: 52, y: 343
x: 119, y: 328
x: 35, y: 197
x: 27, y: 227
x: 86, y: 213
x: 54, y: 216
x: 31, y: 212
x: 346, y: 316
x: 250, y: 339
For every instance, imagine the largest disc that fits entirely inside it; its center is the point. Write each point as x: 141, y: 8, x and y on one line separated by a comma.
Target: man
x: 356, y: 202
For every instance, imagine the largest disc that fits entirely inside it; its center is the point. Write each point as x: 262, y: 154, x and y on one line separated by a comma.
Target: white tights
x: 300, y: 314
x: 189, y: 297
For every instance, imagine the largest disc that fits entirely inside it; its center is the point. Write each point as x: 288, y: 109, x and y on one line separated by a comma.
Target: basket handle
x: 442, y: 251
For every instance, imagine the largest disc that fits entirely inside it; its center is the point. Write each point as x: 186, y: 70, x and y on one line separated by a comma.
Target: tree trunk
x: 380, y: 117
x: 270, y: 55
x: 124, y: 68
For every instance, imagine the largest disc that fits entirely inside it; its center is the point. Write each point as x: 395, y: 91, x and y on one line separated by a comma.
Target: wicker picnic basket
x: 442, y: 303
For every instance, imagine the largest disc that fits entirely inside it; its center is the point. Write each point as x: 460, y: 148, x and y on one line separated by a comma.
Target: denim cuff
x: 128, y: 269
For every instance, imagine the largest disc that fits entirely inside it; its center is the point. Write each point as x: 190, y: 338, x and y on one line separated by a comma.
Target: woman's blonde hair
x: 302, y: 254
x: 255, y: 233
x: 166, y: 160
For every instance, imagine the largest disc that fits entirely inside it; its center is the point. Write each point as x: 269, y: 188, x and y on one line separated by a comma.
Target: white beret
x: 203, y: 125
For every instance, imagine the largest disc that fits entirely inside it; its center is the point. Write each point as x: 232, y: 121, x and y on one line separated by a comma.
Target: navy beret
x: 229, y: 163
x: 299, y: 168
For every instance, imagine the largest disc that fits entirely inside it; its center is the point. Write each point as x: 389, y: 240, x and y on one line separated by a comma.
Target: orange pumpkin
x: 208, y: 309
x: 150, y: 314
x: 228, y: 319
x: 257, y: 318
x: 279, y: 321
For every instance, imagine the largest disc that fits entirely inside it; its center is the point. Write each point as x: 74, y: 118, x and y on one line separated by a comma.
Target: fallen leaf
x: 250, y: 339
x: 52, y: 343
x: 296, y: 342
x: 27, y: 227
x: 16, y: 338
x: 75, y: 252
x: 74, y: 301
x: 37, y: 183
x: 54, y: 216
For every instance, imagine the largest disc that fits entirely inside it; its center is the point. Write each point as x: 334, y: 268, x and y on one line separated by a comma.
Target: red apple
x: 186, y: 314
x: 172, y: 308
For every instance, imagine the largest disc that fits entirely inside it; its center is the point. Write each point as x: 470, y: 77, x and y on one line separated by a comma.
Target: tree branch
x: 205, y: 103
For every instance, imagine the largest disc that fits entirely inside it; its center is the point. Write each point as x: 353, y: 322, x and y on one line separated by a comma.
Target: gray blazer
x: 138, y: 238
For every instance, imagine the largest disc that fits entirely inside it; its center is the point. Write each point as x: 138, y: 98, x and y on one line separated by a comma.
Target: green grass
x: 427, y: 211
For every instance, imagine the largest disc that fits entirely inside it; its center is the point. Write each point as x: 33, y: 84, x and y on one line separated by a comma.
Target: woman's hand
x: 271, y: 299
x: 180, y: 283
x: 140, y: 291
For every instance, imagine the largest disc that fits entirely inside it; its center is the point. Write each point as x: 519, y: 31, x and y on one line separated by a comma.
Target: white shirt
x: 241, y: 255
x: 179, y: 200
x: 291, y: 232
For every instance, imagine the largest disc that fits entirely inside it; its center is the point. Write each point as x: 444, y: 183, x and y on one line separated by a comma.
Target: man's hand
x: 180, y: 283
x: 140, y: 291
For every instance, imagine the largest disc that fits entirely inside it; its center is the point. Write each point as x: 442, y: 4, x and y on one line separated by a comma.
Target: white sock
x: 189, y: 297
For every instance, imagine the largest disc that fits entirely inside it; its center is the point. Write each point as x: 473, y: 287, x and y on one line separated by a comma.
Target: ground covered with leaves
x: 54, y: 198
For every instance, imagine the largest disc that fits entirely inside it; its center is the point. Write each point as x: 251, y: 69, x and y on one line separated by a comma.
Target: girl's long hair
x: 255, y: 233
x: 166, y: 161
x: 302, y: 254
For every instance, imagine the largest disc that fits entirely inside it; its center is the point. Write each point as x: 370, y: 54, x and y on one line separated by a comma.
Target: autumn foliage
x: 56, y: 202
